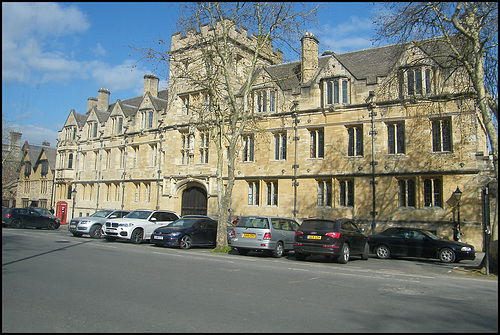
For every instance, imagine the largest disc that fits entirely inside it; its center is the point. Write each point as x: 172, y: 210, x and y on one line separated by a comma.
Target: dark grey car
x: 338, y: 239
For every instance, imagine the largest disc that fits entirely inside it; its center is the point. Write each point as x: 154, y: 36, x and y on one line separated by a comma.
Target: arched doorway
x: 194, y: 201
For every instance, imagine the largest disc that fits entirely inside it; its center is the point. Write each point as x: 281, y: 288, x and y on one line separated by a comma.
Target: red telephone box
x: 62, y: 211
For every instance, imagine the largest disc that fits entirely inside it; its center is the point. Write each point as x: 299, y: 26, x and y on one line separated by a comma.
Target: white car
x: 92, y: 225
x: 138, y: 225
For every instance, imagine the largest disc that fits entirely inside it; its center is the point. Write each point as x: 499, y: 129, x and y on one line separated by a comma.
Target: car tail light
x: 8, y: 215
x: 298, y: 232
x: 233, y: 234
x: 267, y: 236
x: 333, y: 235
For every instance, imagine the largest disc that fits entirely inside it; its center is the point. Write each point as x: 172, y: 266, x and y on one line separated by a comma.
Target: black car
x: 186, y: 233
x: 30, y: 217
x: 414, y: 242
x: 337, y: 239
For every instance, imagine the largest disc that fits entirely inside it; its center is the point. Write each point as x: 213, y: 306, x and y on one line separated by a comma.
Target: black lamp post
x: 73, y: 194
x: 457, y: 195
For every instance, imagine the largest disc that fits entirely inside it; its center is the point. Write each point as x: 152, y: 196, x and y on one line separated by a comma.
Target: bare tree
x: 223, y: 105
x: 469, y: 32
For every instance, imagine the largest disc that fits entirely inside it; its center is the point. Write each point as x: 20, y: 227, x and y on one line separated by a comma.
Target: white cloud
x: 35, y: 134
x: 98, y: 50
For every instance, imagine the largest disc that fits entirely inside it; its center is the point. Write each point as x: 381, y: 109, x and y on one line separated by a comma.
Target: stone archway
x: 194, y: 201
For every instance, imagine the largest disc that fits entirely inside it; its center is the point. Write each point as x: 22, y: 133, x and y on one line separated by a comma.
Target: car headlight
x: 175, y: 234
x: 467, y: 249
x: 84, y: 222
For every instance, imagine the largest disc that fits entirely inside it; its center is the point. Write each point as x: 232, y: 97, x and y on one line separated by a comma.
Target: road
x: 54, y: 282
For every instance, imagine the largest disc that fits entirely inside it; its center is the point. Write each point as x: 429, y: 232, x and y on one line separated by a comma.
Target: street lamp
x: 457, y: 195
x: 73, y: 194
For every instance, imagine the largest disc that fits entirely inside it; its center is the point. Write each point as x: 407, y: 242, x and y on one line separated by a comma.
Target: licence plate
x: 158, y: 237
x: 248, y: 235
x: 314, y: 237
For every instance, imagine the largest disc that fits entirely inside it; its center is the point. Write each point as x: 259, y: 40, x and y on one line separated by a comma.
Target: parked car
x: 186, y: 232
x: 30, y: 217
x: 92, y: 225
x: 338, y: 239
x: 414, y: 242
x: 271, y: 234
x: 138, y: 225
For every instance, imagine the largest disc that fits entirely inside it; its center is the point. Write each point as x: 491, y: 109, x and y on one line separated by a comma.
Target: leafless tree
x: 212, y: 70
x: 469, y: 30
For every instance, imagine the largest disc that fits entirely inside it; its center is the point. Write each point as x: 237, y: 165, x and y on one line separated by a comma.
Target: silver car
x: 92, y: 225
x: 272, y: 234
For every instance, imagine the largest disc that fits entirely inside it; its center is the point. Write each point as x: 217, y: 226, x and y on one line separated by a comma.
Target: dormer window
x: 118, y: 124
x: 415, y: 81
x: 147, y: 120
x: 337, y: 91
x: 264, y: 101
x: 93, y: 126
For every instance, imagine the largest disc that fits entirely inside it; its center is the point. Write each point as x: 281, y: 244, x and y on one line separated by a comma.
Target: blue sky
x: 56, y: 55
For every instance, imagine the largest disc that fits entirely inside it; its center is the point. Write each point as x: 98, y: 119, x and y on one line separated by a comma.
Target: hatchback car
x: 274, y: 235
x: 92, y: 225
x: 186, y: 232
x: 30, y: 217
x: 338, y: 239
x: 414, y: 242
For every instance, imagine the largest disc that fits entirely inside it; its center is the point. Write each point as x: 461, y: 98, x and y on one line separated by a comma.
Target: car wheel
x: 344, y: 255
x: 51, y: 226
x: 300, y: 256
x: 186, y: 242
x: 95, y: 231
x: 278, y: 250
x: 16, y: 224
x: 77, y: 234
x: 110, y: 238
x: 383, y: 252
x: 447, y: 255
x: 136, y: 236
x: 366, y: 251
x: 242, y: 251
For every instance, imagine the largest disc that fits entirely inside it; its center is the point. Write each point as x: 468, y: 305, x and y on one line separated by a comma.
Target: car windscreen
x: 101, y: 214
x: 253, y: 222
x: 182, y: 223
x: 42, y: 211
x: 319, y: 225
x: 139, y: 215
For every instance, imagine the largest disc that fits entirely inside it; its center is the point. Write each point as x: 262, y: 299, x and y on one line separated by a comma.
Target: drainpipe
x: 159, y: 172
x: 124, y: 167
x: 295, y: 165
x: 373, y: 163
x: 99, y: 173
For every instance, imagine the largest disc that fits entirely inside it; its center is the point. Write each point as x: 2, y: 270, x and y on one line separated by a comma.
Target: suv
x: 338, y: 239
x: 267, y: 233
x: 29, y: 217
x: 138, y: 225
x: 92, y: 225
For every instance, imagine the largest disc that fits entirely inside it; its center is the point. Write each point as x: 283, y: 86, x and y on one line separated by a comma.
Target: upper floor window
x: 70, y: 161
x: 396, y: 138
x: 204, y: 142
x: 118, y: 125
x: 265, y: 101
x: 147, y: 120
x: 337, y: 91
x: 441, y: 135
x: 248, y: 148
x: 154, y: 154
x: 93, y: 126
x: 280, y: 146
x: 415, y: 81
x: 317, y: 143
x: 186, y: 148
x: 45, y: 168
x: 185, y: 105
x: 27, y: 169
x: 355, y: 141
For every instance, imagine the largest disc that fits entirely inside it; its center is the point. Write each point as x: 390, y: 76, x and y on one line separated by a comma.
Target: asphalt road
x: 54, y: 282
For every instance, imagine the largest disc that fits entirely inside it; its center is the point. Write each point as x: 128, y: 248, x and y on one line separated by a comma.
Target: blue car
x: 186, y: 233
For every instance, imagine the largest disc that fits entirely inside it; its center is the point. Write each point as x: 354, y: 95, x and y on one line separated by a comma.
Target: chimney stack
x: 91, y: 103
x: 309, y: 62
x: 15, y: 140
x: 103, y: 100
x: 151, y: 85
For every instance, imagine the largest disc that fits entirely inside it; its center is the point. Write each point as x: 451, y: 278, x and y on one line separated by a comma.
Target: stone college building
x: 371, y: 135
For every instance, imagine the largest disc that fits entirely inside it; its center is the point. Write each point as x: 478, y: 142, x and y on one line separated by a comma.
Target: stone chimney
x: 151, y: 85
x: 15, y: 140
x: 46, y: 144
x: 91, y: 103
x: 103, y: 99
x: 309, y: 62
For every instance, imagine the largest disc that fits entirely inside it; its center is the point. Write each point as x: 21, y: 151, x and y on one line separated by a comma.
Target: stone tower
x: 309, y: 61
